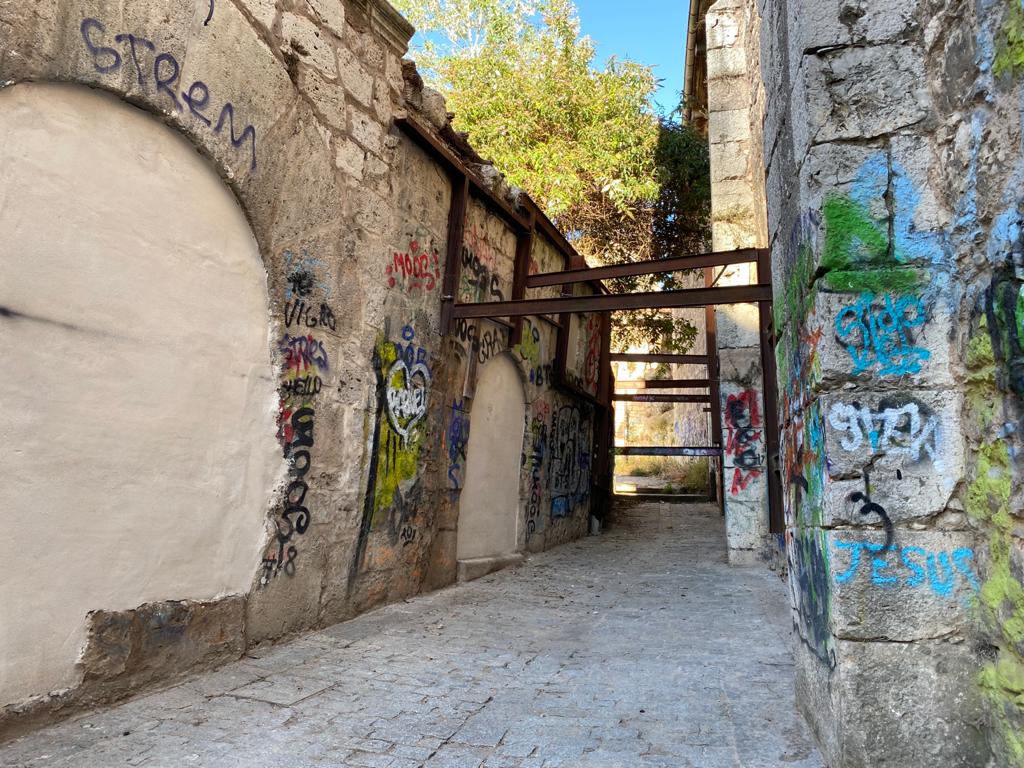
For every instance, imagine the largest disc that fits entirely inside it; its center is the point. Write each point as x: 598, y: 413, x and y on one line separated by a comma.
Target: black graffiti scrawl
x: 570, y: 444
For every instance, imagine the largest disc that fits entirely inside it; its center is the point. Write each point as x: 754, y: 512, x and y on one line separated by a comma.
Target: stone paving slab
x: 637, y: 648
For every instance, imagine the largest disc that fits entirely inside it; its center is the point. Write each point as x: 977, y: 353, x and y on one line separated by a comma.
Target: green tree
x: 623, y: 183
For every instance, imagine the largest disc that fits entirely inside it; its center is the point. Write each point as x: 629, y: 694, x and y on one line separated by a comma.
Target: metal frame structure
x: 526, y: 224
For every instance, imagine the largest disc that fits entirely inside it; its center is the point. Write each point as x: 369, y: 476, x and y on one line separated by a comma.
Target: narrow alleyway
x: 640, y: 647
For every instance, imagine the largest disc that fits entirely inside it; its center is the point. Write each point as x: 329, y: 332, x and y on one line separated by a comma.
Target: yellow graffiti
x: 398, y: 457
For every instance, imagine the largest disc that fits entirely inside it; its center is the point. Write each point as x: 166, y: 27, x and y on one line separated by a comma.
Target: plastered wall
x: 140, y: 452
x: 329, y: 427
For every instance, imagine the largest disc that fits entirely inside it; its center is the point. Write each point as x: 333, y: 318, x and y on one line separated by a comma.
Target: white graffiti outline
x: 900, y: 431
x: 407, y: 405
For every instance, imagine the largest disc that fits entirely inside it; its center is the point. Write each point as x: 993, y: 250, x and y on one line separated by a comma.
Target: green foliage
x: 584, y: 142
x: 1010, y: 53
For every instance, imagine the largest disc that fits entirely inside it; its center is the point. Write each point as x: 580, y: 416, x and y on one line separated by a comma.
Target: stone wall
x: 892, y: 137
x: 367, y: 407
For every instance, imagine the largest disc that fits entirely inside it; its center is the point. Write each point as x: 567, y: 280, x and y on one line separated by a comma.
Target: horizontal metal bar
x: 615, y: 302
x: 662, y: 398
x: 673, y: 359
x: 633, y: 450
x: 651, y: 267
x: 664, y: 384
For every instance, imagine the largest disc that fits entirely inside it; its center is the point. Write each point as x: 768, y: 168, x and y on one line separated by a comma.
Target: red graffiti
x: 743, y: 421
x: 417, y: 269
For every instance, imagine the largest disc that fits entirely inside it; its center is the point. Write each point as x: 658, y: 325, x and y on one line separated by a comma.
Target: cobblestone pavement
x: 640, y: 647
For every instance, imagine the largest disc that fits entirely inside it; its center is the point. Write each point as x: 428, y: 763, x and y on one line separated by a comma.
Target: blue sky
x: 648, y: 31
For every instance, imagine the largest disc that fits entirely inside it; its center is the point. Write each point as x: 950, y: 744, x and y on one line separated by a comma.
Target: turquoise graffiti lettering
x: 908, y: 566
x: 879, y: 336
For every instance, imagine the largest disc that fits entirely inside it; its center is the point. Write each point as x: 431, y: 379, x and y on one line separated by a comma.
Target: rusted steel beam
x: 616, y: 302
x: 664, y: 384
x: 520, y: 270
x: 651, y: 267
x: 621, y: 357
x: 711, y: 347
x: 453, y: 253
x: 633, y: 450
x: 663, y: 398
x: 770, y: 389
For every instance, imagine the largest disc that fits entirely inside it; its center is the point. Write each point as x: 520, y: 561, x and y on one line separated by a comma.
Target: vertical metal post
x: 714, y: 377
x: 770, y: 388
x: 604, y: 467
x: 453, y: 254
x: 520, y: 270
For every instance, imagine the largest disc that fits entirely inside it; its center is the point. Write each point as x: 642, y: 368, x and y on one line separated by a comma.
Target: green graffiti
x: 1010, y: 50
x: 856, y: 257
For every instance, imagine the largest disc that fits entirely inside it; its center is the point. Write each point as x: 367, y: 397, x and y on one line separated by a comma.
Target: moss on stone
x: 981, y: 389
x: 887, y: 281
x: 1002, y: 682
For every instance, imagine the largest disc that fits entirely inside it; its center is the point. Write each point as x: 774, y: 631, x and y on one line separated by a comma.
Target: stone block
x: 259, y: 99
x: 288, y: 601
x: 745, y: 459
x: 476, y: 567
x: 729, y: 162
x: 327, y: 98
x: 726, y: 62
x: 815, y: 698
x: 357, y: 81
x: 728, y: 93
x: 129, y: 649
x: 921, y: 587
x: 350, y: 158
x: 330, y: 13
x: 874, y: 339
x: 728, y: 125
x: 304, y: 40
x: 264, y: 12
x: 366, y: 130
x: 907, y: 704
x: 33, y: 42
x: 908, y: 444
x: 864, y: 92
x: 746, y: 522
x: 738, y: 326
x: 724, y: 30
x: 96, y: 48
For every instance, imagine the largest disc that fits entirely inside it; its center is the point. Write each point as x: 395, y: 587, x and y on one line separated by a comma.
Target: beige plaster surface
x: 138, y: 447
x: 489, y: 506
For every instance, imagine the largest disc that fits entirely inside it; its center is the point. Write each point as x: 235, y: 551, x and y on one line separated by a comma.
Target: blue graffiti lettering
x: 941, y: 567
x: 879, y: 336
